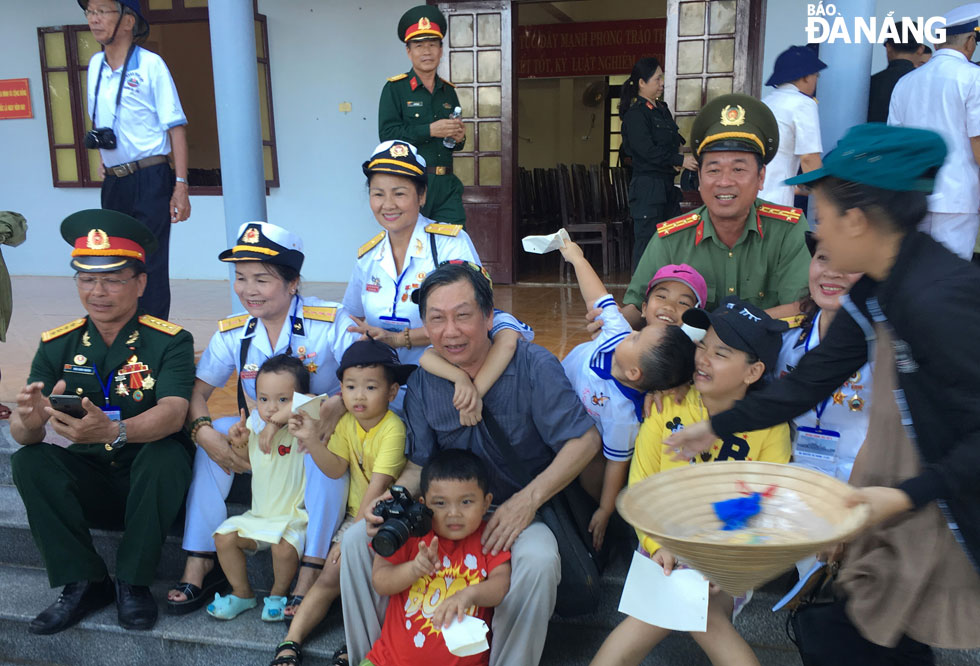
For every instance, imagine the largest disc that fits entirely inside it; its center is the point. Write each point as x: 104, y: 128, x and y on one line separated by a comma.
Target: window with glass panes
x: 614, y: 136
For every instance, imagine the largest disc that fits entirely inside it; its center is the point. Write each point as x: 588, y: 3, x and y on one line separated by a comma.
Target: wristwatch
x: 181, y: 180
x: 120, y: 439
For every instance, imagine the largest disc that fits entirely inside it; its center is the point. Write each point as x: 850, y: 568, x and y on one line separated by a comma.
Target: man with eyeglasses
x: 136, y: 120
x: 129, y: 462
x: 417, y: 107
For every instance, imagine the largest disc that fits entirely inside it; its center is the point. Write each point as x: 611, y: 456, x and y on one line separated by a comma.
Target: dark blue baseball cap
x: 742, y: 326
x: 795, y: 63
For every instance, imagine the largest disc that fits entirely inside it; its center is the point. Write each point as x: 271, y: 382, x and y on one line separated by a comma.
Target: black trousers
x: 826, y: 637
x: 145, y: 195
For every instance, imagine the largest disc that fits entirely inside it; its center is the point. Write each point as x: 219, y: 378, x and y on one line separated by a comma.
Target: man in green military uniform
x: 415, y: 107
x: 129, y: 464
x: 742, y: 245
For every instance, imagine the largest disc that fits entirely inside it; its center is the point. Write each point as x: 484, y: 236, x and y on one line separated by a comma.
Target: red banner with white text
x: 601, y: 48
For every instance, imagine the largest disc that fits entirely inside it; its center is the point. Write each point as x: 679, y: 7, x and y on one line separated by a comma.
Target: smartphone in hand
x: 68, y: 404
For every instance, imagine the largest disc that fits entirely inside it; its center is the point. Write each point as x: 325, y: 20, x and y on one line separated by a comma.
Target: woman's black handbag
x: 567, y: 515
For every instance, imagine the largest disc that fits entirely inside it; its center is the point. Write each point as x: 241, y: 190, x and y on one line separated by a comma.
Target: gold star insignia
x: 149, y: 382
x: 312, y: 367
x: 838, y: 398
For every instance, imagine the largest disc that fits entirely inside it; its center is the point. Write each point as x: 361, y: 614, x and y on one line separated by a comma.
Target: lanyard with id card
x: 395, y: 324
x: 114, y: 413
x: 815, y: 446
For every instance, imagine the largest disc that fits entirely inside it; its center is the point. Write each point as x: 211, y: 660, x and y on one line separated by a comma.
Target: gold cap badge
x: 424, y: 23
x: 97, y: 240
x: 399, y: 150
x: 251, y: 236
x: 733, y: 115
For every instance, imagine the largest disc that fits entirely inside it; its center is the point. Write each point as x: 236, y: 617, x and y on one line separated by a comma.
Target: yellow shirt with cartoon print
x: 651, y: 456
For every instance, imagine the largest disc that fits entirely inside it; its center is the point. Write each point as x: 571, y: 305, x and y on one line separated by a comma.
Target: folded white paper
x: 466, y: 638
x: 543, y: 244
x: 678, y: 601
x: 307, y: 404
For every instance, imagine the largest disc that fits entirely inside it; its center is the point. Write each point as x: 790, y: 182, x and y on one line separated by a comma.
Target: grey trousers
x: 520, y: 622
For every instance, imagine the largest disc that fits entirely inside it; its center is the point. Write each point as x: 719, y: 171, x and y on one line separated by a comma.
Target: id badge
x: 395, y: 324
x: 114, y: 413
x: 816, y: 447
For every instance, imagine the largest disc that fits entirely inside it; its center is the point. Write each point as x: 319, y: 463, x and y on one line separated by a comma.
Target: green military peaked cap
x: 736, y: 122
x: 422, y: 22
x: 106, y: 240
x: 892, y: 158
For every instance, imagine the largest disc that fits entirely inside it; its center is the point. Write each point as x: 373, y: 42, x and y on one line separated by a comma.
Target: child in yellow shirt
x: 740, y: 344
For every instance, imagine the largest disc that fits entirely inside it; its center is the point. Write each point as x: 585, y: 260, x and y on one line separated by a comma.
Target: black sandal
x: 340, y: 657
x: 214, y: 581
x: 294, y: 659
x: 297, y: 599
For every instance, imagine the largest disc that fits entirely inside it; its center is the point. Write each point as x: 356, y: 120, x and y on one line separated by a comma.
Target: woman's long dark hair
x: 642, y: 70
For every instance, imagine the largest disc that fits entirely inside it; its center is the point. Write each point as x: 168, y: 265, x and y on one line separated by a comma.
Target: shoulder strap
x: 499, y: 442
x: 435, y: 252
x: 246, y: 343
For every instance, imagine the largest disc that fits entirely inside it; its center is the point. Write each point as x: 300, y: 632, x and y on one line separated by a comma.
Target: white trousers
x: 325, y: 499
x: 520, y: 622
x: 957, y: 231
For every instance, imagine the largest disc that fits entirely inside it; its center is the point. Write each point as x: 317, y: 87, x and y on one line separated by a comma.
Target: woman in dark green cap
x: 911, y: 580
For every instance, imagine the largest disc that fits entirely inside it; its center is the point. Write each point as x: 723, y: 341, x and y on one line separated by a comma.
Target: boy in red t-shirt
x: 436, y: 579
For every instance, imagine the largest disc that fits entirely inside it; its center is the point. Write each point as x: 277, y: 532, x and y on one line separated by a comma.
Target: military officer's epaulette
x: 161, y: 325
x: 665, y: 229
x: 364, y: 249
x: 784, y: 213
x: 448, y: 83
x: 48, y: 336
x: 397, y: 77
x: 319, y: 313
x: 231, y: 323
x: 443, y: 229
x: 794, y: 321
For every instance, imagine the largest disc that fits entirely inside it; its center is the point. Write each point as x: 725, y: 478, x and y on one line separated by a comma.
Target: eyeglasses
x: 110, y: 284
x: 99, y: 13
x: 473, y: 267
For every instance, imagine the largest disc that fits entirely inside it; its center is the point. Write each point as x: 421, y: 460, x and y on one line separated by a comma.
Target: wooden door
x: 477, y: 58
x: 714, y: 47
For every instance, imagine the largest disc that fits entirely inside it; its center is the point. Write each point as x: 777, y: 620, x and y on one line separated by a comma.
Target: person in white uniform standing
x: 278, y: 320
x: 794, y: 78
x: 944, y: 95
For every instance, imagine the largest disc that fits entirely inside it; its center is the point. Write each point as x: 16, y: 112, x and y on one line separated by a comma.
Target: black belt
x: 439, y: 170
x: 121, y: 170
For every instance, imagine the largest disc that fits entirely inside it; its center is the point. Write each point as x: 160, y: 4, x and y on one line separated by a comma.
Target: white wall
x: 323, y: 52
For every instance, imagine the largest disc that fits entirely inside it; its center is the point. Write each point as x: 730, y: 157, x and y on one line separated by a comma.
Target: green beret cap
x: 736, y: 122
x: 422, y: 22
x: 106, y: 240
x: 892, y: 158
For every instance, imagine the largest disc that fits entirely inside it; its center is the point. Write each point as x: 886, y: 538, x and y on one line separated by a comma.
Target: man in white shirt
x: 794, y: 78
x: 137, y: 119
x: 944, y: 95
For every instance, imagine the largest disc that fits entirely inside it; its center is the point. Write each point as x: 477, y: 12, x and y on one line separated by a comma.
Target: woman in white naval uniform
x: 828, y: 437
x: 393, y: 264
x: 267, y: 261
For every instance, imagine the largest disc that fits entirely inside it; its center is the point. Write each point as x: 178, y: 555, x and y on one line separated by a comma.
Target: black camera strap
x: 122, y: 80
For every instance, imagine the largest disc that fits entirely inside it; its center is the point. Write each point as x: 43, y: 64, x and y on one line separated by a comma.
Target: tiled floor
x: 40, y: 303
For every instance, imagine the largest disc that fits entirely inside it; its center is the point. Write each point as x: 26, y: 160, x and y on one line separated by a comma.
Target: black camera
x: 100, y: 137
x: 403, y: 518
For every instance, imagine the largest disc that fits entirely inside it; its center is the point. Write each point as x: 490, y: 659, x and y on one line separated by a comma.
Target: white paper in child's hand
x: 543, y: 244
x: 466, y: 638
x: 678, y: 602
x: 310, y: 406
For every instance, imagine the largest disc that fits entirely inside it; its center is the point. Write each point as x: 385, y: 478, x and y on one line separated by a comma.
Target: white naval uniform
x: 799, y: 134
x: 615, y: 408
x: 845, y: 411
x: 148, y: 109
x: 322, y: 343
x: 376, y: 291
x: 944, y: 96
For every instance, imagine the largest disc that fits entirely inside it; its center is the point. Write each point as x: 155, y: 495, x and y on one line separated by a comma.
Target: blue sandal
x: 229, y: 607
x: 272, y: 608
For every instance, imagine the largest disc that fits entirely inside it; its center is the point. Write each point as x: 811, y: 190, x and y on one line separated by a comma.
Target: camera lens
x: 390, y: 537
